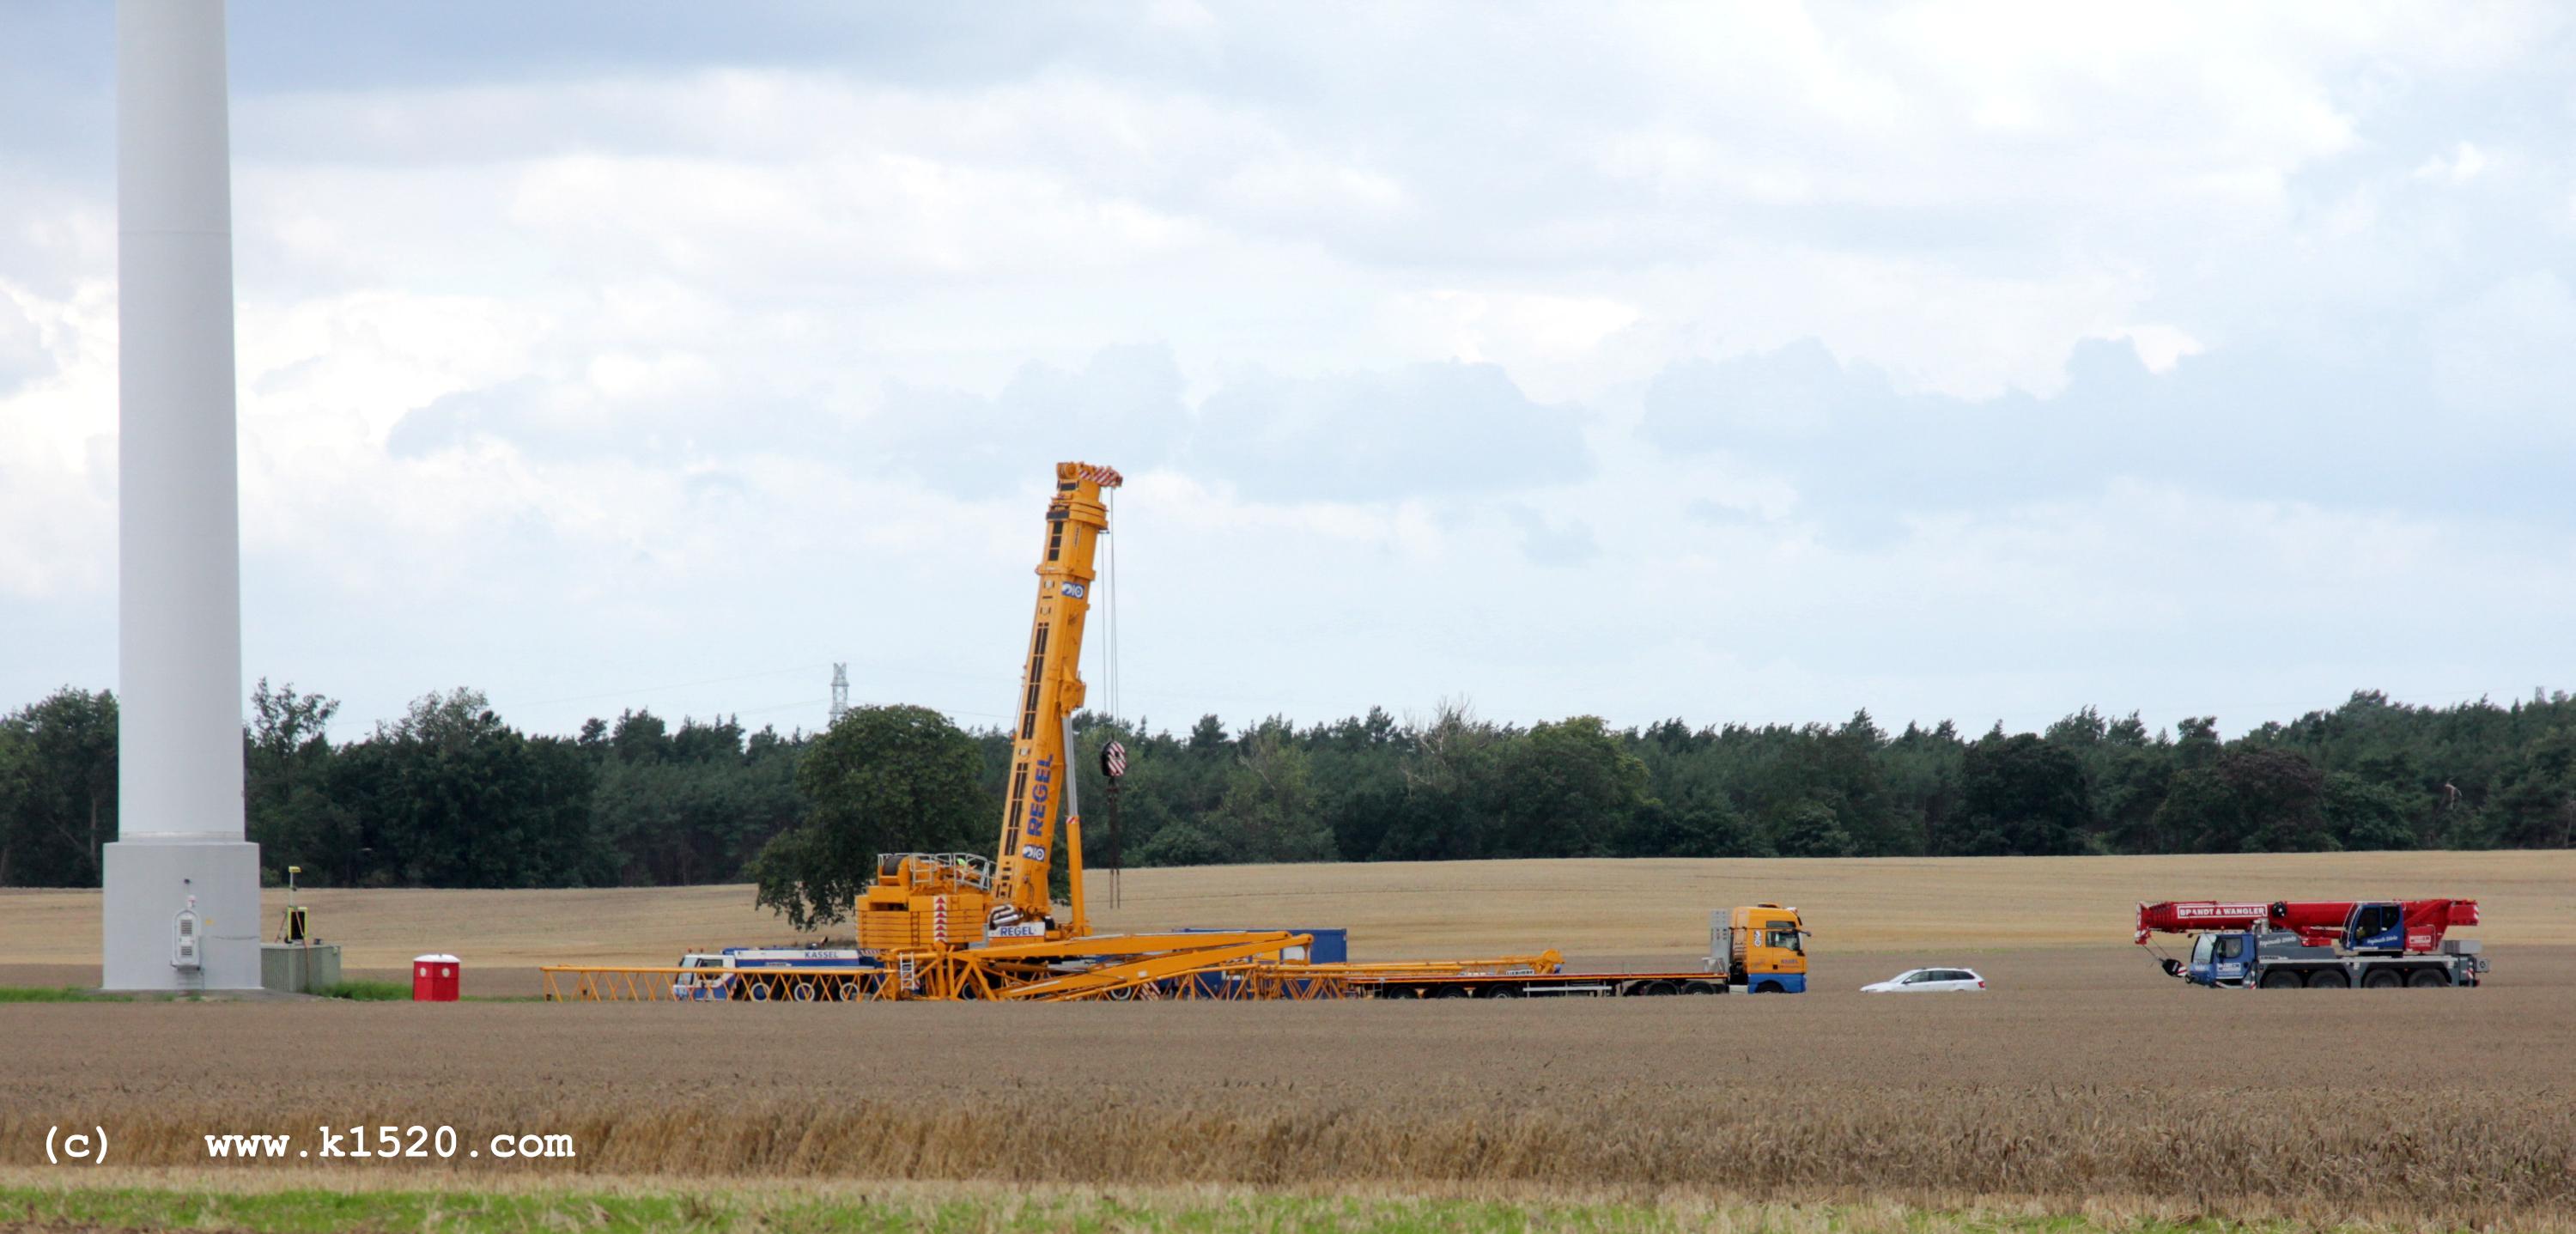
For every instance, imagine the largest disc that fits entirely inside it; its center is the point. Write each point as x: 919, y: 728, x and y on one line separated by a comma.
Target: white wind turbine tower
x: 182, y: 885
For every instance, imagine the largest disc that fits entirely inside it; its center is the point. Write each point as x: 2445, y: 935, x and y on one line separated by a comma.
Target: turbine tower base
x: 149, y: 883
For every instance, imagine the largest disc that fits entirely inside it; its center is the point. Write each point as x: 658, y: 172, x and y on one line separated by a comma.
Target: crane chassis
x: 2319, y: 944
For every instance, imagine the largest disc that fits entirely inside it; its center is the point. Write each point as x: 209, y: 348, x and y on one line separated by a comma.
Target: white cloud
x: 2159, y: 347
x: 57, y: 443
x: 2460, y: 167
x: 636, y: 372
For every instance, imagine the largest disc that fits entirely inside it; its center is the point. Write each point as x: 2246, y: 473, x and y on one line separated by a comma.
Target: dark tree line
x: 451, y: 795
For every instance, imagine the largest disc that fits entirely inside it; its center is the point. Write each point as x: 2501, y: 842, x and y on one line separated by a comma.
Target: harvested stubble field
x: 2083, y: 1080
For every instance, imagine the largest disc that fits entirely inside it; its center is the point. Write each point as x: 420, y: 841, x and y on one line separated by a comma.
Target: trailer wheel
x: 1398, y: 991
x: 2329, y: 979
x: 1704, y: 987
x: 2382, y: 979
x: 1506, y: 991
x: 1454, y: 991
x: 2281, y: 979
x: 1656, y: 988
x: 2428, y: 979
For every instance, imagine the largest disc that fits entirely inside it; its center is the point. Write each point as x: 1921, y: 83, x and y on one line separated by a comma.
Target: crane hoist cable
x: 1109, y: 688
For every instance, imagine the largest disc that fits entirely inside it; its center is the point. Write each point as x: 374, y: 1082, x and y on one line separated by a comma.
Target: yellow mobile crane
x: 945, y: 899
x: 953, y: 925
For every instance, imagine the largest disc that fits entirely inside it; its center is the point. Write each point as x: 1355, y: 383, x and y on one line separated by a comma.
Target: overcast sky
x: 1739, y: 364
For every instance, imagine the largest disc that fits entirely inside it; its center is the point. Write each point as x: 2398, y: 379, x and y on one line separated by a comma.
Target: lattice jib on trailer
x: 577, y: 983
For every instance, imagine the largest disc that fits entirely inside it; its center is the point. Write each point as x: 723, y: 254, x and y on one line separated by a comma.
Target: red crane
x: 2318, y: 923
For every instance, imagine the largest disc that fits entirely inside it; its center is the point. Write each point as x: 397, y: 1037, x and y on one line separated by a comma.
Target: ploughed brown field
x: 2084, y: 1077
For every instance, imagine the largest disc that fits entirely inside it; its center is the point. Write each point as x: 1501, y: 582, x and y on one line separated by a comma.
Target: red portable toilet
x: 435, y: 978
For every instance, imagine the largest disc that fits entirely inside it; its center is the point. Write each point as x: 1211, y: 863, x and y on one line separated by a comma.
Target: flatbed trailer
x: 1540, y: 985
x: 587, y: 983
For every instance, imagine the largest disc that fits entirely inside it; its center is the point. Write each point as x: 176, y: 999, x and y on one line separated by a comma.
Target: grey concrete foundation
x: 298, y: 968
x: 149, y: 882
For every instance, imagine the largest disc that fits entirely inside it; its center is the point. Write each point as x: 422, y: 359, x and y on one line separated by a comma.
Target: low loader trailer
x: 1306, y: 964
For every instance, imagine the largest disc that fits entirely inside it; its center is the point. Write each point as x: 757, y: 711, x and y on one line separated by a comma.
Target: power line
x: 682, y: 685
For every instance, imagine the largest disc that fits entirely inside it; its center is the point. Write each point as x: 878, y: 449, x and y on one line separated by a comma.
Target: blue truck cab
x: 2220, y: 959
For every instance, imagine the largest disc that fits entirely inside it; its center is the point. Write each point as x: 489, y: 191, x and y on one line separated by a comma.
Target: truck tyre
x: 759, y: 992
x: 2329, y: 979
x: 2281, y: 979
x: 847, y: 991
x: 1454, y: 991
x: 2428, y: 979
x: 803, y: 993
x: 1770, y: 987
x: 1506, y: 991
x: 1704, y: 987
x: 2382, y: 979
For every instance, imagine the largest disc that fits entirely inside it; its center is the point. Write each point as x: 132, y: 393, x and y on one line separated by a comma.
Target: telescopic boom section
x: 2317, y: 922
x: 1050, y: 692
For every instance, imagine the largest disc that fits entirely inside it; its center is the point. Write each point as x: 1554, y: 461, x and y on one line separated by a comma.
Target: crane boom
x: 2316, y: 922
x: 1051, y: 691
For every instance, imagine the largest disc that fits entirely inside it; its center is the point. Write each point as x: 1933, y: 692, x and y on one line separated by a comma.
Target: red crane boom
x: 2318, y: 923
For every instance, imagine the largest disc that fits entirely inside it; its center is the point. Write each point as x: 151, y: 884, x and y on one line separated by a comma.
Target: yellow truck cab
x: 1761, y: 948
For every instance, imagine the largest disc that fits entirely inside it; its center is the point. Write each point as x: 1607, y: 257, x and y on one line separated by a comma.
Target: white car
x: 1928, y: 980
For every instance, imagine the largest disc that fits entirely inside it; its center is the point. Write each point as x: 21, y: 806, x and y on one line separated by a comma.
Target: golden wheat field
x: 2083, y: 1081
x: 1592, y: 910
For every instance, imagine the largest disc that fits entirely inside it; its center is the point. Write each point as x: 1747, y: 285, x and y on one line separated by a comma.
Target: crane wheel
x: 847, y: 991
x: 803, y: 993
x: 2281, y: 979
x: 2329, y: 979
x: 2428, y: 979
x: 2382, y: 979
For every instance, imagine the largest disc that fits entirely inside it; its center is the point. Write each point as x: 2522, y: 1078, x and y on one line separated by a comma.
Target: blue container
x: 1332, y: 944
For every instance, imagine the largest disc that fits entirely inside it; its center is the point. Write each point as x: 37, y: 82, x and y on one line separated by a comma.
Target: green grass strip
x: 751, y: 1209
x: 365, y: 991
x: 51, y: 994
